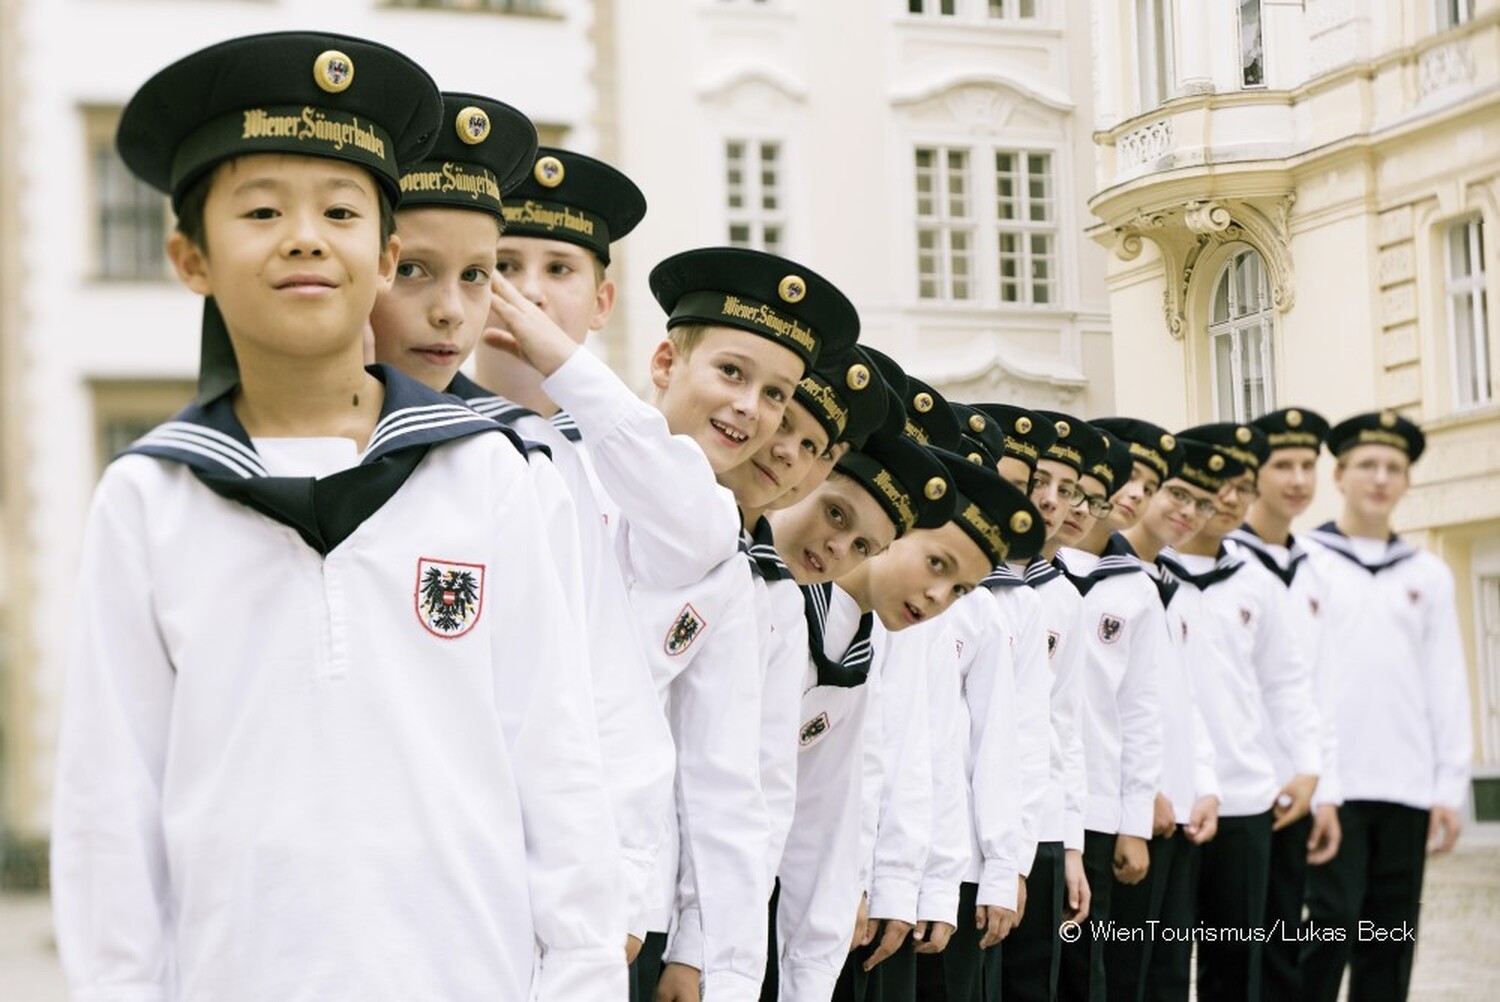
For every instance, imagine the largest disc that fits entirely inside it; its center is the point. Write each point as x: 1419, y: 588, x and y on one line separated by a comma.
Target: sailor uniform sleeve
x: 1034, y: 713
x: 1140, y: 719
x: 781, y: 715
x: 1447, y: 684
x: 1282, y: 665
x: 1308, y: 608
x: 110, y: 887
x: 572, y: 856
x: 904, y: 831
x: 678, y: 522
x: 872, y: 765
x: 995, y: 784
x: 1205, y: 773
x: 948, y: 856
x: 1067, y: 714
x: 719, y: 925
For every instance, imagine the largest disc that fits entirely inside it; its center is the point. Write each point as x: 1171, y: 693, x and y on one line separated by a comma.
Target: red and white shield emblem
x: 449, y: 596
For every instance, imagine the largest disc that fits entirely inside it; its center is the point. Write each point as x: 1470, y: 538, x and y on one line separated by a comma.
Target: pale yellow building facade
x: 1301, y: 204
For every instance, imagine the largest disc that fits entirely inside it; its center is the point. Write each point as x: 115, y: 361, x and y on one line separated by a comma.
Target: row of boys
x: 392, y: 683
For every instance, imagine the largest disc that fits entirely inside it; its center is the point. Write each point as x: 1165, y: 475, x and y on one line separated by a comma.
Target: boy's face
x: 1051, y: 487
x: 1078, y: 521
x: 429, y: 320
x: 1173, y: 515
x: 781, y: 463
x: 1130, y: 500
x: 1288, y: 481
x: 1233, y: 501
x: 561, y: 279
x: 1015, y: 472
x: 831, y: 531
x: 297, y: 258
x: 727, y: 394
x: 821, y: 468
x: 923, y: 573
x: 1372, y: 478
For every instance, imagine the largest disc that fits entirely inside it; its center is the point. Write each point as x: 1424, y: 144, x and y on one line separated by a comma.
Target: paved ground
x: 1456, y: 955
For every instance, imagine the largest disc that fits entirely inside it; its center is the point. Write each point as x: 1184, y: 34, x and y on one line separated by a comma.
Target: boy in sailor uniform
x: 1187, y: 803
x: 1286, y: 485
x: 429, y: 322
x: 1125, y: 634
x: 305, y: 748
x: 1399, y: 692
x: 1256, y: 690
x: 1057, y: 889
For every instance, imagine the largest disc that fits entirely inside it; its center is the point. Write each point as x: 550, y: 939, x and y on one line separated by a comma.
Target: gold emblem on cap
x: 935, y: 489
x: 1105, y: 439
x: 1293, y: 418
x: 1387, y: 419
x: 1216, y: 463
x: 1168, y: 443
x: 1023, y: 425
x: 976, y: 422
x: 333, y: 71
x: 1020, y: 522
x: 473, y: 125
x: 976, y: 459
x: 1063, y: 429
x: 858, y: 377
x: 548, y: 172
x: 923, y: 403
x: 792, y: 289
x: 1242, y: 435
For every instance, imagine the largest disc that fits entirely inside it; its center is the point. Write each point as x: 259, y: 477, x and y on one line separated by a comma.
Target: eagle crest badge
x: 1245, y: 616
x: 1052, y: 639
x: 450, y: 596
x: 1110, y: 626
x: 813, y: 730
x: 686, y: 628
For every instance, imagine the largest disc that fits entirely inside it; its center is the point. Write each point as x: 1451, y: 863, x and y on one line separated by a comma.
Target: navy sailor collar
x: 1119, y: 557
x: 1396, y: 548
x: 506, y: 412
x: 1002, y: 576
x: 1260, y: 550
x: 853, y: 668
x: 1040, y: 570
x: 760, y: 547
x: 1225, y: 565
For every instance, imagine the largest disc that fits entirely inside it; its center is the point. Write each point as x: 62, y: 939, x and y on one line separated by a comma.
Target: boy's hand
x: 995, y: 922
x: 1203, y: 822
x: 890, y: 941
x: 679, y: 983
x: 518, y: 326
x: 1163, y: 820
x: 864, y: 926
x: 932, y: 937
x: 1442, y: 829
x: 1078, y: 896
x: 1293, y: 800
x: 632, y: 948
x: 1132, y: 859
x: 1327, y: 833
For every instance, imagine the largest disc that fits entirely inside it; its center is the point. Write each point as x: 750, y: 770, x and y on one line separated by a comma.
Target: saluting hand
x: 518, y: 326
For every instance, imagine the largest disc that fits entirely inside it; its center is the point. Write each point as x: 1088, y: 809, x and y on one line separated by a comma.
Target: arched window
x: 1239, y: 333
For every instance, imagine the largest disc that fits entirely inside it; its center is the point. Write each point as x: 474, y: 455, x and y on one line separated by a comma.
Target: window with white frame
x: 994, y: 10
x: 932, y: 8
x: 1239, y: 332
x: 754, y: 198
x: 1468, y: 312
x: 1011, y: 10
x: 1252, y: 45
x: 1153, y: 39
x: 986, y: 225
x: 1452, y: 13
x: 129, y: 216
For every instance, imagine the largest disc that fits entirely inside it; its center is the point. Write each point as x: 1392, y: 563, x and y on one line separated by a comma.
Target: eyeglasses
x: 1242, y: 489
x: 1074, y: 496
x: 1182, y: 498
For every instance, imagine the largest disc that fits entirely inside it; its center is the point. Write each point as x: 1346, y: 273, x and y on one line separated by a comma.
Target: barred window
x: 755, y: 202
x: 1153, y: 37
x: 129, y: 217
x: 1452, y: 13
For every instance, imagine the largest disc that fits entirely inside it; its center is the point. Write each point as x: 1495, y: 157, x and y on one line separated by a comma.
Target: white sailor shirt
x: 1062, y: 610
x: 1187, y: 760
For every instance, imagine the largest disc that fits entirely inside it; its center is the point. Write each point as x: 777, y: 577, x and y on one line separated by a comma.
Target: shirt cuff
x: 938, y: 902
x: 998, y: 885
x: 1136, y: 816
x: 894, y: 896
x: 686, y: 945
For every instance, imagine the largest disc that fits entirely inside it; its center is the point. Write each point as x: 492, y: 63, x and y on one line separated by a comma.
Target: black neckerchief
x: 497, y: 408
x: 760, y: 547
x: 1118, y: 558
x: 1166, y: 583
x: 1225, y: 566
x: 1039, y: 570
x: 1396, y: 549
x: 1257, y: 548
x: 1002, y: 577
x: 209, y: 439
x: 853, y: 668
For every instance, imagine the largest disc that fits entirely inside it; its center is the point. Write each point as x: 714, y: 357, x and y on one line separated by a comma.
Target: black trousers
x: 1280, y: 978
x: 646, y: 971
x: 1236, y: 869
x: 894, y: 979
x: 953, y: 975
x: 770, y: 986
x: 1371, y: 892
x: 1023, y: 968
x: 1155, y: 962
x: 1081, y: 975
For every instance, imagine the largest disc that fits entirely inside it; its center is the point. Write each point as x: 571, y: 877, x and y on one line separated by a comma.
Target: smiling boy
x: 259, y: 795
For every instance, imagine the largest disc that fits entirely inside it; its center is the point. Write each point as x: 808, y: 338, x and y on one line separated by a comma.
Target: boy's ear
x: 604, y: 305
x: 385, y: 269
x: 662, y: 360
x: 190, y: 263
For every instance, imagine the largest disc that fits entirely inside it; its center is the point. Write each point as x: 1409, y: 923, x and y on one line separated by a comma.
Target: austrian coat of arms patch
x: 813, y: 730
x: 1110, y: 626
x: 449, y: 597
x: 686, y: 628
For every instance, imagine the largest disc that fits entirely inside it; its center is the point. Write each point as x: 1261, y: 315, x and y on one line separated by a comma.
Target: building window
x: 1026, y: 221
x: 1452, y: 13
x: 129, y: 217
x: 125, y: 409
x: 998, y: 10
x: 1252, y: 45
x: 1468, y: 312
x: 1239, y: 332
x: 754, y: 195
x: 1013, y: 10
x: 498, y: 6
x: 932, y: 8
x: 1153, y: 35
x: 945, y: 224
